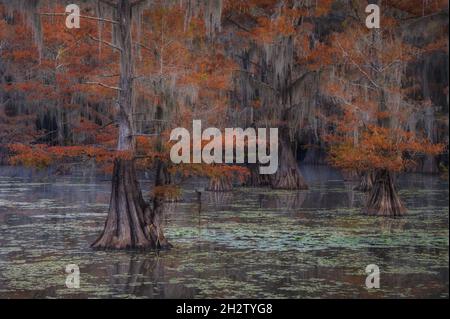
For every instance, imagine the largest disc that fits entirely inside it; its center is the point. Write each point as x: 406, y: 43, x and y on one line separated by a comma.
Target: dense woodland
x: 371, y: 102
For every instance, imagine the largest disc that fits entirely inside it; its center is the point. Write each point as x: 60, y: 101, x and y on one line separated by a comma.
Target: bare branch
x: 4, y: 103
x: 144, y: 47
x: 414, y: 19
x: 104, y: 85
x: 358, y: 66
x: 249, y: 61
x: 106, y: 42
x: 238, y: 24
x: 389, y: 65
x: 109, y: 75
x: 81, y: 16
x: 253, y: 78
x: 106, y: 125
x: 300, y: 79
x: 61, y: 52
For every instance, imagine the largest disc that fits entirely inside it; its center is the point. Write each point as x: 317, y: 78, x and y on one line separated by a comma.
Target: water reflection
x: 137, y: 276
x: 252, y: 242
x: 389, y: 226
x: 290, y: 201
x: 217, y: 198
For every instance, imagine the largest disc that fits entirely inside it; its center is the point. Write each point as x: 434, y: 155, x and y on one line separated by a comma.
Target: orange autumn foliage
x: 380, y: 148
x: 42, y: 155
x: 368, y: 83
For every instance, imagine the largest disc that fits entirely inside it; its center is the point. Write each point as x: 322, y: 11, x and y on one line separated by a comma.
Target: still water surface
x: 250, y: 243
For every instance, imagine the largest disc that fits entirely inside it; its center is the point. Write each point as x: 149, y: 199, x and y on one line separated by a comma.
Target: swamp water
x: 250, y: 243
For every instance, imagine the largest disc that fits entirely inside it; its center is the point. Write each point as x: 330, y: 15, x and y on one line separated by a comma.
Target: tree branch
x: 238, y: 24
x: 81, y: 16
x: 106, y: 125
x: 252, y: 77
x: 104, y: 85
x: 144, y: 47
x: 108, y: 75
x: 358, y: 66
x: 4, y: 102
x: 106, y: 42
x: 249, y: 61
x: 300, y: 79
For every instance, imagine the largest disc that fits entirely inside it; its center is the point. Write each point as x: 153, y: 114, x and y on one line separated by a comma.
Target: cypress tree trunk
x: 220, y: 184
x: 255, y: 179
x: 154, y: 225
x: 164, y: 178
x: 131, y: 223
x: 383, y: 199
x: 350, y: 175
x: 288, y: 175
x: 365, y: 182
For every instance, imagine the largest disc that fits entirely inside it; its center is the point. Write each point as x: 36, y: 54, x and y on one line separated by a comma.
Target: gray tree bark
x: 131, y: 223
